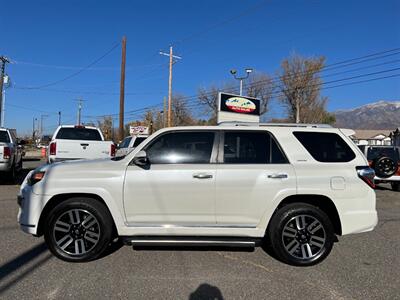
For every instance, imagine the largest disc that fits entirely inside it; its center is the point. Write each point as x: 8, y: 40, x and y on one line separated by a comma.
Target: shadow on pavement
x: 206, y: 291
x: 22, y: 259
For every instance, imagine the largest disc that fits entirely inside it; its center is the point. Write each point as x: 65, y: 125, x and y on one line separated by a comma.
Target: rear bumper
x: 395, y: 178
x: 359, y: 214
x: 357, y: 222
x: 5, y: 166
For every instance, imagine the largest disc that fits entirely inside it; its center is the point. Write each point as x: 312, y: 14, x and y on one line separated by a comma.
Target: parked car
x: 385, y: 160
x: 71, y: 142
x: 129, y: 143
x: 11, y: 152
x: 43, y: 142
x: 294, y: 187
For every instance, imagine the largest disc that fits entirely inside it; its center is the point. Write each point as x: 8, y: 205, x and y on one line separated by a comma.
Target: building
x: 372, y: 137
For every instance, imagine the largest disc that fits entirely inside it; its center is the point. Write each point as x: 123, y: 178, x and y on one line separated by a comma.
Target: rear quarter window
x: 325, y: 146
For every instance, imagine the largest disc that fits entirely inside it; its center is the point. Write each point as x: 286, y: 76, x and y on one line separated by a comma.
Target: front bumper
x: 31, y: 206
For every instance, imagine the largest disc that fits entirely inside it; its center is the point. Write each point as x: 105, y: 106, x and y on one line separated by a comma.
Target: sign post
x: 233, y: 108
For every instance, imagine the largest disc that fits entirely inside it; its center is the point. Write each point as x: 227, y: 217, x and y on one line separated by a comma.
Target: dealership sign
x: 238, y: 108
x: 134, y: 130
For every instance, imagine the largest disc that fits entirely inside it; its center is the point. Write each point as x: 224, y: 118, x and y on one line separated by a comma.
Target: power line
x: 75, y: 73
x: 220, y: 24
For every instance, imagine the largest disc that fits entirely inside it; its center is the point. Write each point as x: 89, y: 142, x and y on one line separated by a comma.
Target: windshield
x: 4, y: 137
x: 79, y: 134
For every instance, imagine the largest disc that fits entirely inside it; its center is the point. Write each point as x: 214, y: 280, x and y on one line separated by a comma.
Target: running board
x: 189, y: 242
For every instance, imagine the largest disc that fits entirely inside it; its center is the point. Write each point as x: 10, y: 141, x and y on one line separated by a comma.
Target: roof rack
x: 302, y: 125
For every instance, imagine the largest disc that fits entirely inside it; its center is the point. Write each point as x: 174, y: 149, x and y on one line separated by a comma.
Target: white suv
x: 294, y: 187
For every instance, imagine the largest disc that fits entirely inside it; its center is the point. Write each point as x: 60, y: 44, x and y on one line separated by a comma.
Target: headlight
x: 35, y: 177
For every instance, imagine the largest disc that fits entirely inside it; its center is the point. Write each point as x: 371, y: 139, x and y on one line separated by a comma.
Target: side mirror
x: 141, y: 159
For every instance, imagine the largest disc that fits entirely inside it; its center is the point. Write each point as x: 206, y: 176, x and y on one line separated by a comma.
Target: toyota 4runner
x: 293, y: 187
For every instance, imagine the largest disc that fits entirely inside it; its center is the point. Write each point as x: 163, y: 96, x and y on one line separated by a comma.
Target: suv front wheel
x: 301, y: 234
x: 78, y: 229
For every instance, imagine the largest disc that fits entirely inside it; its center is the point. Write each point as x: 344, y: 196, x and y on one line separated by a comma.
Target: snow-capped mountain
x: 378, y: 115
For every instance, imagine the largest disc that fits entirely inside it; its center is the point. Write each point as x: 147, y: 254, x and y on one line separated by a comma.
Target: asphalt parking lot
x: 363, y: 266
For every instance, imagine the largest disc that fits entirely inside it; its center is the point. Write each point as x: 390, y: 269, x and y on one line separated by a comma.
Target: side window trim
x: 221, y: 147
x: 214, y: 152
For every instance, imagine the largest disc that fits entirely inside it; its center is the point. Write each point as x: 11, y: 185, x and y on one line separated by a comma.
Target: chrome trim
x: 191, y: 242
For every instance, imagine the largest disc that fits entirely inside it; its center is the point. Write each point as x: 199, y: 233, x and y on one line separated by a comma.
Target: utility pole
x: 164, y: 110
x: 171, y: 62
x: 59, y: 118
x: 122, y: 91
x: 3, y: 61
x: 41, y: 123
x: 79, y: 114
x: 33, y: 129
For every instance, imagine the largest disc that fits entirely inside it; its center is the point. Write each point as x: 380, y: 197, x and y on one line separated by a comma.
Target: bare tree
x: 300, y: 85
x: 181, y: 113
x: 260, y: 86
x: 106, y: 127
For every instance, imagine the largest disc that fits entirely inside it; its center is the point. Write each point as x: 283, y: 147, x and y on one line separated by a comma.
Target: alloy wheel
x: 76, y: 232
x: 304, y: 237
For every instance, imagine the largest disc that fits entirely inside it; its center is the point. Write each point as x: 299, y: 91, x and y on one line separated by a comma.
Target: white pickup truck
x: 71, y: 142
x: 10, y: 153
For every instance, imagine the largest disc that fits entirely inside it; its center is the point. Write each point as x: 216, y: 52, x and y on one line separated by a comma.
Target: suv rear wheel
x: 78, y: 229
x: 301, y: 234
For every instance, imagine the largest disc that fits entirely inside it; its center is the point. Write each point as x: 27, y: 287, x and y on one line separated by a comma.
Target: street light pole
x: 234, y: 72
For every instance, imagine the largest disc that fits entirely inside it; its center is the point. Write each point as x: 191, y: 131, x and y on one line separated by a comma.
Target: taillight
x: 53, y: 148
x: 112, y: 151
x: 370, y: 162
x: 398, y: 169
x: 6, y: 152
x: 367, y: 175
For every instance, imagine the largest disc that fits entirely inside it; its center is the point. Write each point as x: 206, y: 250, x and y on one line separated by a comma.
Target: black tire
x: 284, y: 236
x: 396, y: 186
x: 384, y: 167
x: 86, y: 240
x: 11, y: 175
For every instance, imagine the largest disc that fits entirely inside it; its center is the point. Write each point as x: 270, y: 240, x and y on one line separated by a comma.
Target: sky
x: 48, y: 41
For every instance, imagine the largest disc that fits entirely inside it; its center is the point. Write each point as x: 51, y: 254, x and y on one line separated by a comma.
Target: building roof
x: 366, y: 134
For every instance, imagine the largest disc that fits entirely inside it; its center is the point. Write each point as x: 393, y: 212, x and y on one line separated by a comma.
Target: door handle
x: 202, y: 176
x: 84, y: 145
x: 278, y: 176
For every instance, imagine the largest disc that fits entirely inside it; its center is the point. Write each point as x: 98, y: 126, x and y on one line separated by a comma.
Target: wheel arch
x: 57, y: 199
x: 322, y: 202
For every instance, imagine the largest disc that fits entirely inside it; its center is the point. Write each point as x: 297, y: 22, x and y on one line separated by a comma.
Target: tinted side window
x: 378, y: 152
x: 125, y: 142
x: 4, y: 138
x: 138, y: 141
x: 247, y: 147
x: 181, y: 148
x: 325, y: 147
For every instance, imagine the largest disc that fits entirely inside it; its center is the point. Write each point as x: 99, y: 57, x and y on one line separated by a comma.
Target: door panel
x: 246, y: 192
x: 252, y: 173
x: 170, y: 195
x: 178, y: 185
